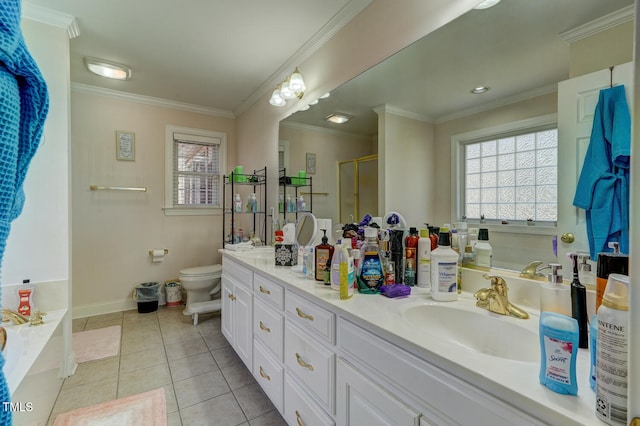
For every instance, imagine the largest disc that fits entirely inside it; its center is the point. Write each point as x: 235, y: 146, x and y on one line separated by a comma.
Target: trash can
x: 146, y: 294
x: 174, y: 293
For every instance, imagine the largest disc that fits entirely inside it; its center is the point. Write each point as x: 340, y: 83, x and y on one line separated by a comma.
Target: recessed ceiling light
x: 480, y: 89
x: 337, y: 118
x: 486, y: 4
x: 107, y: 69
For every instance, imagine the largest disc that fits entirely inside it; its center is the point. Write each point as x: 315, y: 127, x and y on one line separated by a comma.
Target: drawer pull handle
x: 302, y: 363
x: 262, y: 327
x: 303, y: 315
x: 262, y: 373
x: 299, y: 419
x: 232, y: 297
x: 264, y: 290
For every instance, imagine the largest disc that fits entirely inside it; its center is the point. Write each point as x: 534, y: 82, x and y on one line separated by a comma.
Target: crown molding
x: 342, y: 18
x: 386, y: 108
x: 51, y: 17
x: 148, y: 100
x: 597, y: 25
x: 309, y: 127
x: 545, y: 90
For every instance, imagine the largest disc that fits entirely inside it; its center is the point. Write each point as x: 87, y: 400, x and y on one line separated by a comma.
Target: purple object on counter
x: 395, y: 290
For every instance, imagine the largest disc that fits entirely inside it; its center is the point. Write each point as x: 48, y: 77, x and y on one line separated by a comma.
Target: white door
x: 577, y: 100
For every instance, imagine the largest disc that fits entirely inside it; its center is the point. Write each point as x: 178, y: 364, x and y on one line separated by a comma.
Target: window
x: 509, y: 173
x: 194, y: 166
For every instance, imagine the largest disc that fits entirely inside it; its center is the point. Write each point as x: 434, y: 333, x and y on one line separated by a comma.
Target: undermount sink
x: 478, y: 331
x: 256, y: 253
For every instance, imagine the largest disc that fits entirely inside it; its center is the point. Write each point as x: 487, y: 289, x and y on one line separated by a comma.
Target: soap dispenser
x: 324, y: 254
x: 554, y: 296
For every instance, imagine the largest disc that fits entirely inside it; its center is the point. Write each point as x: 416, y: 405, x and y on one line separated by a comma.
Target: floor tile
x: 215, y: 341
x: 253, y: 401
x: 150, y: 340
x: 179, y: 333
x: 238, y: 376
x: 191, y: 366
x: 85, y: 395
x: 272, y: 418
x: 226, y: 356
x: 92, y: 371
x: 200, y: 388
x: 185, y: 348
x: 173, y: 419
x: 170, y: 398
x: 226, y: 409
x: 105, y: 317
x: 102, y: 324
x: 143, y: 359
x: 143, y: 380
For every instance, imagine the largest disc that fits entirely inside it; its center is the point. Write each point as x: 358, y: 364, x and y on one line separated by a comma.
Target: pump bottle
x: 554, y: 296
x: 424, y: 259
x: 444, y: 270
x: 324, y: 254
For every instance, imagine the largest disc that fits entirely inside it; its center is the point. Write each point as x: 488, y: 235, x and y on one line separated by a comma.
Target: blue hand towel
x: 603, y: 186
x: 24, y: 104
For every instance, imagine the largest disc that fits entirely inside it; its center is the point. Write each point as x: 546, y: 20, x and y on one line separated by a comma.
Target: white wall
x: 38, y: 246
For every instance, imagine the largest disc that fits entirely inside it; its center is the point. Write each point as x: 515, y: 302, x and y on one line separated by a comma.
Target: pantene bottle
x: 444, y: 269
x: 611, y: 366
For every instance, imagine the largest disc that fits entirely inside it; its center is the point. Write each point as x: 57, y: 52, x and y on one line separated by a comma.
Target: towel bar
x: 117, y: 188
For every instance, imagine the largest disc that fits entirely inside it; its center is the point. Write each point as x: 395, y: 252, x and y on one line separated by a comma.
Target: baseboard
x: 93, y: 309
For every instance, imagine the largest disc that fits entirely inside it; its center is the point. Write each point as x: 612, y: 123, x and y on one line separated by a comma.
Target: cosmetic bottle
x: 371, y: 275
x: 609, y: 263
x: 323, y: 253
x: 579, y: 304
x: 335, y: 266
x: 346, y: 274
x: 444, y: 270
x: 424, y: 260
x: 237, y: 204
x: 612, y: 347
x: 555, y: 296
x: 483, y: 249
x: 302, y: 205
x: 410, y: 254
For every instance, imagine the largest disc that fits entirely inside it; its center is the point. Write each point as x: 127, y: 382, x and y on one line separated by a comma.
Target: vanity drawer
x: 312, y: 363
x: 235, y: 270
x: 269, y: 374
x: 311, y: 316
x: 268, y: 327
x: 268, y: 291
x: 300, y: 409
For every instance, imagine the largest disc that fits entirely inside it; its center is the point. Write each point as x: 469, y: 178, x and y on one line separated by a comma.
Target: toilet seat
x: 200, y: 271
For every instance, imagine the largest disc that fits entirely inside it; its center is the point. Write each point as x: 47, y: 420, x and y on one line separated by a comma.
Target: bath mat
x: 96, y: 344
x: 148, y: 409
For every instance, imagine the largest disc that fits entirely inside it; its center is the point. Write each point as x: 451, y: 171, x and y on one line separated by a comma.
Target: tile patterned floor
x: 205, y: 382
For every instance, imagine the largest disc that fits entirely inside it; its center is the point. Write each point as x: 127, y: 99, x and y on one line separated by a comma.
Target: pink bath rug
x: 96, y: 344
x: 143, y: 409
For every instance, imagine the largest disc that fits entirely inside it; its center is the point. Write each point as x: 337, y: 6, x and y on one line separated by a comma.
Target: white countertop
x: 515, y: 382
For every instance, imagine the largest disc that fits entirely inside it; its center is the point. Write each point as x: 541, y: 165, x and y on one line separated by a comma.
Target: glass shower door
x: 358, y: 180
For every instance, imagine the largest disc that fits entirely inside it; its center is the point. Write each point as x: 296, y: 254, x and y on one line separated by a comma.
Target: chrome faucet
x: 531, y: 271
x: 495, y: 299
x: 13, y: 316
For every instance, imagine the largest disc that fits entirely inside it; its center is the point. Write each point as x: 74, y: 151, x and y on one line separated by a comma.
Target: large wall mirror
x: 408, y: 108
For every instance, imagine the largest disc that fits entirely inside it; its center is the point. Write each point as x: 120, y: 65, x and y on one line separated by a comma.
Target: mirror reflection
x: 409, y: 108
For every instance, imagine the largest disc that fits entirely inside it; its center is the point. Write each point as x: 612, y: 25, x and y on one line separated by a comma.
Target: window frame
x: 169, y: 208
x: 458, y: 143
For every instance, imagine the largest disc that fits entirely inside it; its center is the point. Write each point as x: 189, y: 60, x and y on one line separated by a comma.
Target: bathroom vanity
x: 373, y: 360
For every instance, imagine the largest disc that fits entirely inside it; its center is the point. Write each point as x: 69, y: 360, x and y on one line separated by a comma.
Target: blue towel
x: 24, y: 104
x: 603, y: 187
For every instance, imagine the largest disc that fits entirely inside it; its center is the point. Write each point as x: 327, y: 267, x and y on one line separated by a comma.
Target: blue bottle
x: 559, y: 339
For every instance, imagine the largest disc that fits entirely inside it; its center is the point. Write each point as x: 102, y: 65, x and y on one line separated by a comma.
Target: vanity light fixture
x: 480, y: 89
x: 338, y: 118
x: 292, y: 87
x: 107, y: 69
x: 486, y: 4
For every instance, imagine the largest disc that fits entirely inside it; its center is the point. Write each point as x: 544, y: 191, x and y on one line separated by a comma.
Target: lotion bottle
x: 323, y: 256
x: 444, y: 270
x: 424, y: 259
x: 335, y: 266
x: 555, y: 296
x: 611, y: 366
x: 483, y: 249
x: 346, y: 274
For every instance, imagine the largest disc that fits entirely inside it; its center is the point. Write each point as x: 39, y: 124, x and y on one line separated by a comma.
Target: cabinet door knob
x: 303, y: 315
x: 263, y: 374
x: 262, y: 327
x: 302, y: 363
x: 264, y: 290
x: 299, y: 418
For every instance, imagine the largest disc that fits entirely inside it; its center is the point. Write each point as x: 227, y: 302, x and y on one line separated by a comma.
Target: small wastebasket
x: 174, y: 293
x: 146, y: 294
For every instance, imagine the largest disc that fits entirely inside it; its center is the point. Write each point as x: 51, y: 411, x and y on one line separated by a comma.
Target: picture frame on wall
x: 125, y: 145
x: 311, y: 163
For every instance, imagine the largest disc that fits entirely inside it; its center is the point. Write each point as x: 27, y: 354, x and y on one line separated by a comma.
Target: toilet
x: 200, y: 283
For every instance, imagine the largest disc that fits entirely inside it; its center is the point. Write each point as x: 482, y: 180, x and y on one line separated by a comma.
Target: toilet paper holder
x: 151, y: 252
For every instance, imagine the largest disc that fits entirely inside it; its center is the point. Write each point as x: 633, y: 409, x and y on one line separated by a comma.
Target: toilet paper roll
x: 158, y: 255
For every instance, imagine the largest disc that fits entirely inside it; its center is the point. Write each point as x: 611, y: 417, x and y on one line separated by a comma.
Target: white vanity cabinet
x: 237, y: 309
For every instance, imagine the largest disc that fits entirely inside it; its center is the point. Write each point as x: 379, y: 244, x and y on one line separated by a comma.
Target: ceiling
x: 219, y: 54
x: 513, y: 47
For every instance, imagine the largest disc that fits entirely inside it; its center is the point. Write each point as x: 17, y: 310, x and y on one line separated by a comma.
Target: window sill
x: 185, y: 211
x: 516, y: 229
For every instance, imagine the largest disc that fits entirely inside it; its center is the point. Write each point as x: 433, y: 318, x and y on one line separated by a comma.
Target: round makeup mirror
x: 306, y: 229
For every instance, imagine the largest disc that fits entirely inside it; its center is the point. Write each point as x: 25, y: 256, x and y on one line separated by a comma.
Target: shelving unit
x: 236, y: 183
x: 297, y: 183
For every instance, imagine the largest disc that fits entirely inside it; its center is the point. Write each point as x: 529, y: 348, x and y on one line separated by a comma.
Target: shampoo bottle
x: 558, y: 352
x: 346, y: 274
x: 554, y: 296
x: 444, y: 270
x: 410, y: 254
x: 613, y: 324
x: 335, y: 266
x: 324, y: 253
x: 579, y: 304
x: 424, y: 259
x: 237, y: 204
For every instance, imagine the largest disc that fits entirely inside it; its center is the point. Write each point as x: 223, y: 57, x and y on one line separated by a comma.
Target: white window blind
x: 195, y: 162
